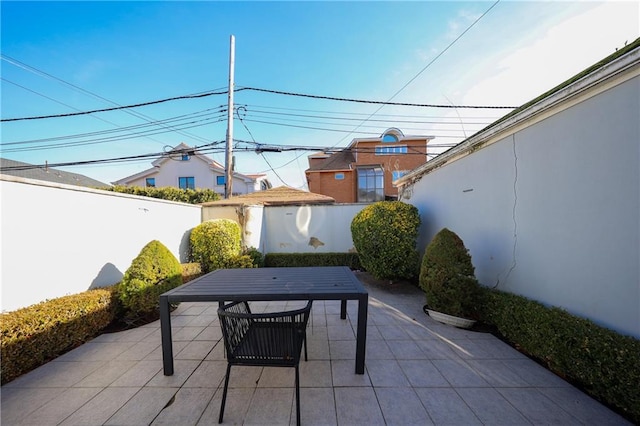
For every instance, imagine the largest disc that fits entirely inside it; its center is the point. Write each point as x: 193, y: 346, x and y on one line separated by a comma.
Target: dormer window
x: 391, y: 135
x: 185, y: 157
x: 389, y: 138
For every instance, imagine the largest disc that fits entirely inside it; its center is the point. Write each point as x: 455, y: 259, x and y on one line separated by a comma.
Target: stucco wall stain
x: 315, y: 243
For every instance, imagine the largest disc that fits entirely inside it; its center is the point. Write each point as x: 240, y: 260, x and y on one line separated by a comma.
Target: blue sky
x: 64, y: 57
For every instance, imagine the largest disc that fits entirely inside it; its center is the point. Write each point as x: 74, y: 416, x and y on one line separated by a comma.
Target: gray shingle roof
x: 340, y: 160
x: 31, y: 171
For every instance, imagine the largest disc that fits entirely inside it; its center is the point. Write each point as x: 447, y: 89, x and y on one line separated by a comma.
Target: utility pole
x: 228, y: 165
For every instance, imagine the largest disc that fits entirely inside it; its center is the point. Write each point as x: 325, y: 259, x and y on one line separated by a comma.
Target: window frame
x: 190, y: 182
x: 150, y: 182
x: 391, y: 150
x: 373, y: 188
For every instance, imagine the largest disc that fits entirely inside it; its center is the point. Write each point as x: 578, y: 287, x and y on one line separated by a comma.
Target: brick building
x: 364, y: 171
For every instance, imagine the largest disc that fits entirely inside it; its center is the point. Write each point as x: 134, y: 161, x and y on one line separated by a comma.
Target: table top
x: 299, y: 283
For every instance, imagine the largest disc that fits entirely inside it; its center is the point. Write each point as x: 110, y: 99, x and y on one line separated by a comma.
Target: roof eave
x: 561, y: 93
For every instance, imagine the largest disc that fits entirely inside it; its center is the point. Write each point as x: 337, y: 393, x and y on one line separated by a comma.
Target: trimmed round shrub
x: 154, y: 271
x: 385, y: 234
x: 447, y: 277
x: 215, y: 243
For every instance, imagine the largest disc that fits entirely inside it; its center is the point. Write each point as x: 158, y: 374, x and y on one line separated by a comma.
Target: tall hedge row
x: 33, y: 335
x: 191, y: 196
x: 604, y: 363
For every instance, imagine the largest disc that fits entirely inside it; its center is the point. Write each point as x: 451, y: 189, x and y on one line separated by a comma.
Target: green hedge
x: 36, y: 334
x: 191, y: 196
x: 602, y: 362
x: 312, y: 259
x: 33, y: 335
x: 191, y: 271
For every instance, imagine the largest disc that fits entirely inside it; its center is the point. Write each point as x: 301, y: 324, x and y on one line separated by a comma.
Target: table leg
x: 343, y: 309
x: 165, y: 330
x: 361, y: 336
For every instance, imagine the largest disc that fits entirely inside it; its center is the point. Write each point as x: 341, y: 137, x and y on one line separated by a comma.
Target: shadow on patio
x: 417, y: 372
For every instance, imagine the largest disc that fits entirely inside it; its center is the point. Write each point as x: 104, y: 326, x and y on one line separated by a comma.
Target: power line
x: 224, y: 92
x: 427, y: 66
x: 39, y: 72
x: 492, y: 118
x: 197, y: 114
x: 330, y: 130
x: 71, y: 114
x: 254, y: 141
x: 364, y: 101
x: 325, y: 117
x: 213, y: 147
x: 111, y: 160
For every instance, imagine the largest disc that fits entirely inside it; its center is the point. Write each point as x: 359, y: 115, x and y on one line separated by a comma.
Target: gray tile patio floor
x: 418, y: 372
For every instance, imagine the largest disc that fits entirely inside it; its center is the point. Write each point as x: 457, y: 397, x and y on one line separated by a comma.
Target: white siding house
x: 547, y: 199
x: 185, y: 167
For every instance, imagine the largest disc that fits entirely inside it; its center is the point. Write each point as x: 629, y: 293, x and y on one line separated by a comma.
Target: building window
x: 389, y: 137
x: 397, y: 174
x: 220, y: 180
x: 185, y: 157
x: 187, y: 182
x: 391, y: 150
x: 339, y: 176
x: 370, y: 185
x: 150, y: 182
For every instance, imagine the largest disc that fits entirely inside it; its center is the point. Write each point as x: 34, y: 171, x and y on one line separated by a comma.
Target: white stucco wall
x: 309, y: 229
x: 552, y: 211
x: 250, y: 219
x: 60, y: 239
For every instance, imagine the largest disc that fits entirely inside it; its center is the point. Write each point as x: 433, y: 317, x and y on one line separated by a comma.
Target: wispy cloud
x: 90, y: 71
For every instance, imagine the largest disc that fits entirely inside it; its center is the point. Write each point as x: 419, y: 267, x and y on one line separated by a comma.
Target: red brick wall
x: 416, y: 156
x: 343, y: 191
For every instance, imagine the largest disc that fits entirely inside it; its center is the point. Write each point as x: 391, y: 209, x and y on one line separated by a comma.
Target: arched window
x: 392, y: 135
x: 389, y: 138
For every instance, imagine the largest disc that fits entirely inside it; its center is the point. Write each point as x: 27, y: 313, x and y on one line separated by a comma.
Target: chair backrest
x: 273, y: 338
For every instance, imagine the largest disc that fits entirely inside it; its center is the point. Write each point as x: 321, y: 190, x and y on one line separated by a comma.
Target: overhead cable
x: 364, y: 101
x: 71, y: 114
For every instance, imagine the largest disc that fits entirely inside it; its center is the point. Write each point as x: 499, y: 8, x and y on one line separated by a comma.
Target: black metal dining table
x: 270, y: 284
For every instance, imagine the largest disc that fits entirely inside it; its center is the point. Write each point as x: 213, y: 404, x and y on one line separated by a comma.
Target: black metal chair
x: 273, y: 339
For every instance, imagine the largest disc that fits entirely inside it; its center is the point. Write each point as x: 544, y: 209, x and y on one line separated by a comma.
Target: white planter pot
x: 450, y: 319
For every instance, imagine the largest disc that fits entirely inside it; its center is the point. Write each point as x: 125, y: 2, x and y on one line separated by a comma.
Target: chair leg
x: 224, y: 393
x: 305, y: 346
x: 297, y: 397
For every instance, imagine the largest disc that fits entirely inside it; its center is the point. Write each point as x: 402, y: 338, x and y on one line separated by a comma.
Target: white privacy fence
x: 61, y: 239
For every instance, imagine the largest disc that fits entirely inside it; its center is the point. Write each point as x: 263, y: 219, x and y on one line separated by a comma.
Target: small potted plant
x: 447, y: 277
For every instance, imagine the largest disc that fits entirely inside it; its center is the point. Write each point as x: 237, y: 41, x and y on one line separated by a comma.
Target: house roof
x: 604, y: 69
x: 393, y: 131
x: 340, y: 160
x: 39, y: 172
x: 178, y: 150
x: 280, y: 196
